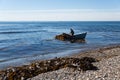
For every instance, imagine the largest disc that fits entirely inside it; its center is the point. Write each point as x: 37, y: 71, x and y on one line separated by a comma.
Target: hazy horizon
x: 56, y: 10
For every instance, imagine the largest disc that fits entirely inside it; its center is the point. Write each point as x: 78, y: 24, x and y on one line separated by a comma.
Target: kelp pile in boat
x: 28, y: 71
x: 74, y: 38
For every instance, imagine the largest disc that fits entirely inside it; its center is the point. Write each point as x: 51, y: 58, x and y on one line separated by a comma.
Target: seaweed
x: 28, y: 71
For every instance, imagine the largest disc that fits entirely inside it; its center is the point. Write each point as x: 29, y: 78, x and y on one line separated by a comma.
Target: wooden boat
x: 79, y: 36
x: 74, y: 38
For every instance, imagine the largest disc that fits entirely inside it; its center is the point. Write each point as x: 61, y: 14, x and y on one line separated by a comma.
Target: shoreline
x: 108, y: 66
x: 99, y: 54
x: 72, y: 53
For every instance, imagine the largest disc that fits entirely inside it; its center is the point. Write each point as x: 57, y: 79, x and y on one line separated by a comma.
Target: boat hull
x: 79, y: 36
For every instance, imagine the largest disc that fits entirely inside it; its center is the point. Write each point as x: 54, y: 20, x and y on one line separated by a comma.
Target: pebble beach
x: 108, y: 70
x: 108, y: 67
x: 107, y: 64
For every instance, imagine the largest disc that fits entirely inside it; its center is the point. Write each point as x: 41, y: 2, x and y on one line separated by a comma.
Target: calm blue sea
x: 24, y: 42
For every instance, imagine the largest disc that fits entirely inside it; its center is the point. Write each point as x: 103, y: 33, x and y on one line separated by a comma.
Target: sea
x: 24, y: 42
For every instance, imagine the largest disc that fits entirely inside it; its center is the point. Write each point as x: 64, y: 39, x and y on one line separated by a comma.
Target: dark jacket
x: 71, y: 32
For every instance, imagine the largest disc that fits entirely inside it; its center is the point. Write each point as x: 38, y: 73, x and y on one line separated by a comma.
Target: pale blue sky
x: 59, y: 10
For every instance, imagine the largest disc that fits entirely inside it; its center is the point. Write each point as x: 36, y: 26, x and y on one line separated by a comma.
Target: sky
x: 59, y: 10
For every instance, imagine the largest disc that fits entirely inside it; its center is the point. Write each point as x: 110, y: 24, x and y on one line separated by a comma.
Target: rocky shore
x: 98, y: 64
x: 108, y: 67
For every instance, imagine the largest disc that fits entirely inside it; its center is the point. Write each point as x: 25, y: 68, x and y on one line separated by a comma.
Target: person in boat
x: 71, y: 32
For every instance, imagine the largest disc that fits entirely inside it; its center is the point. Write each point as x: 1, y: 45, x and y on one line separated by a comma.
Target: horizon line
x: 69, y: 21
